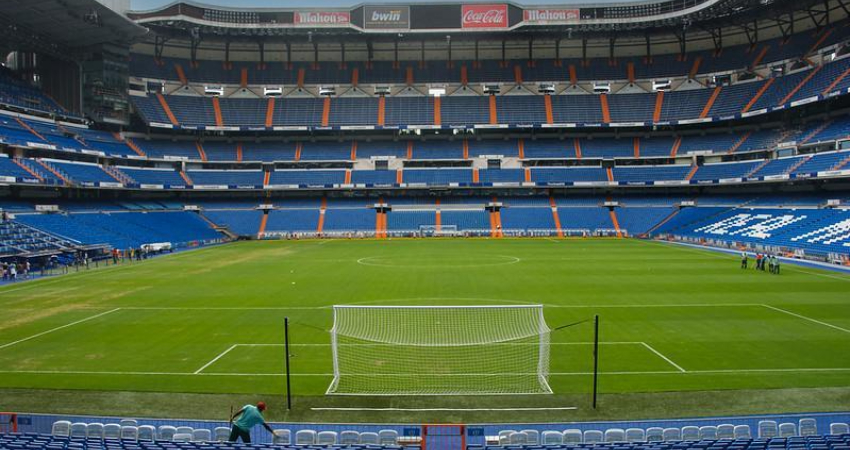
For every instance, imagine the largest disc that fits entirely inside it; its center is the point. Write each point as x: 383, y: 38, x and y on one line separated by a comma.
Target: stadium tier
x: 799, y: 225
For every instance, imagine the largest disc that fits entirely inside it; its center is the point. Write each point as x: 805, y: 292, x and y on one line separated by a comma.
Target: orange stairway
x: 710, y: 103
x: 555, y: 216
x: 615, y: 222
x: 164, y: 104
x: 758, y: 95
x: 263, y: 222
x: 219, y: 118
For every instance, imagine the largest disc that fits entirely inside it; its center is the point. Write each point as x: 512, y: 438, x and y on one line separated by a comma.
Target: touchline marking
x: 220, y: 355
x: 211, y: 374
x: 59, y: 328
x: 807, y: 318
x: 221, y: 308
x: 649, y: 347
x: 562, y: 408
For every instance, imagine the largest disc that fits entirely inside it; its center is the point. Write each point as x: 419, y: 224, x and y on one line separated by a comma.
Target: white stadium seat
x: 615, y: 435
x: 201, y: 435
x: 326, y: 438
x: 369, y: 438
x: 690, y: 433
x: 130, y: 432
x: 94, y: 430
x: 743, y: 432
x: 166, y: 433
x: 835, y: 429
x: 147, y: 433
x: 635, y: 435
x: 349, y: 437
x: 768, y: 429
x: 726, y: 431
x: 672, y: 434
x: 182, y: 437
x: 61, y: 428
x: 282, y: 436
x: 78, y: 430
x: 573, y: 436
x: 654, y: 434
x: 533, y: 436
x: 551, y: 437
x: 222, y: 434
x: 305, y: 437
x: 593, y: 436
x: 388, y: 437
x: 808, y: 427
x: 708, y: 432
x: 128, y: 423
x: 112, y: 431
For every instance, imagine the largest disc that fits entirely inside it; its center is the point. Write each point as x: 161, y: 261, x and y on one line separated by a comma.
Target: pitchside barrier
x: 438, y: 437
x: 447, y: 231
x: 8, y: 422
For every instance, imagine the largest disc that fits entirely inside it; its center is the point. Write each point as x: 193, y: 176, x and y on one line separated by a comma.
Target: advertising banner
x: 386, y: 17
x: 322, y: 18
x: 550, y: 16
x: 484, y: 16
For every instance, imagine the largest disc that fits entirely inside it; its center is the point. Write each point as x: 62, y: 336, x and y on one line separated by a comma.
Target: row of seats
x: 130, y: 430
x: 767, y: 429
x: 57, y: 171
x: 659, y: 66
x: 574, y: 106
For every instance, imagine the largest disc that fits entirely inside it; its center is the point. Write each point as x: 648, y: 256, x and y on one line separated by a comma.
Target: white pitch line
x: 650, y: 348
x: 284, y: 308
x: 562, y: 408
x: 800, y: 316
x: 216, y: 358
x: 371, y: 345
x: 58, y: 328
x: 210, y: 374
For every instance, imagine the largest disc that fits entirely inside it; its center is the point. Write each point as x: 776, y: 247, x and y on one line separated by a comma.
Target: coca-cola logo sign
x: 322, y: 18
x: 484, y: 16
x: 545, y: 16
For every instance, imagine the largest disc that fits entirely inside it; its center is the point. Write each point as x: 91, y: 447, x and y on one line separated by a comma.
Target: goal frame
x: 542, y: 375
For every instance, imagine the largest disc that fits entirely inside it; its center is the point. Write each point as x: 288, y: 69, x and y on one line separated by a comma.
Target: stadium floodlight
x: 440, y: 350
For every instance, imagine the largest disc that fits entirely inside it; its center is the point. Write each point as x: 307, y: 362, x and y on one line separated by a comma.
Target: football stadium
x: 425, y: 225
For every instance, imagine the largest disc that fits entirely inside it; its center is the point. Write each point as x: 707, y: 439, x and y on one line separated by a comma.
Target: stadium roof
x: 63, y: 25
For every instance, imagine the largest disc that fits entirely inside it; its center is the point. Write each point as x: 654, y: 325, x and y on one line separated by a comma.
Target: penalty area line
x: 561, y: 408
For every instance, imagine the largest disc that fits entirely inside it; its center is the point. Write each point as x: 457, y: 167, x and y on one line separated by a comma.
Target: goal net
x: 440, y: 350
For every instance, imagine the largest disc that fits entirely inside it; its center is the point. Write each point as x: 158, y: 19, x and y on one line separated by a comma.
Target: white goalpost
x: 440, y: 350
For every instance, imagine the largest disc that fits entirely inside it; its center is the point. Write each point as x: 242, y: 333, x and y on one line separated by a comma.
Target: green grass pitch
x: 683, y: 331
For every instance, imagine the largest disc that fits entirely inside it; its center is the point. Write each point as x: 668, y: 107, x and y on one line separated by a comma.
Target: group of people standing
x: 11, y: 271
x: 763, y: 261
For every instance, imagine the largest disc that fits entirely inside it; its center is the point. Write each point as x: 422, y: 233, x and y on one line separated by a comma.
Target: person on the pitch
x: 248, y: 417
x: 743, y: 260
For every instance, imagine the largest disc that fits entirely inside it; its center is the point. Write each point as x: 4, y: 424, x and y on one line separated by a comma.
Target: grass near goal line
x: 684, y: 331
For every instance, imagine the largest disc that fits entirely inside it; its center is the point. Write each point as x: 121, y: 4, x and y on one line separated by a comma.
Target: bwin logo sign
x: 386, y: 16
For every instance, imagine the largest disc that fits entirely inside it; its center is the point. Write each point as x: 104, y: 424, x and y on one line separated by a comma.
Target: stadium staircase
x: 693, y: 172
x: 842, y: 164
x: 186, y: 178
x: 707, y: 108
x: 117, y: 175
x: 56, y: 172
x: 739, y: 142
x: 26, y: 126
x: 201, y: 151
x: 555, y: 218
x: 261, y: 231
x: 25, y: 164
x: 660, y: 224
x: 322, y: 210
x: 134, y: 147
x: 168, y: 113
x: 758, y: 95
x: 800, y: 85
x: 757, y: 168
x: 816, y: 131
x: 223, y: 229
x: 18, y: 239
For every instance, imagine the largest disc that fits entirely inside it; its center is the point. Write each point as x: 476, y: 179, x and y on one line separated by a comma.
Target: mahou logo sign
x: 484, y: 16
x: 550, y: 15
x: 322, y: 18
